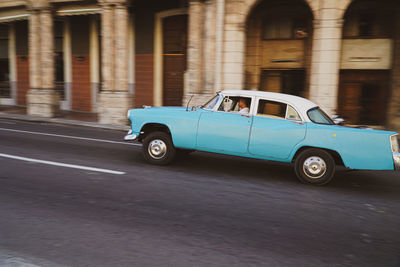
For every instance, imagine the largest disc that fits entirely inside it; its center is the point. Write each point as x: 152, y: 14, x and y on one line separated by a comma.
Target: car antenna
x: 187, y: 106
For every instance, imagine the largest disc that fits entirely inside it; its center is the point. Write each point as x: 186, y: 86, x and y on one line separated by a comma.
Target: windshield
x: 210, y: 104
x: 317, y: 115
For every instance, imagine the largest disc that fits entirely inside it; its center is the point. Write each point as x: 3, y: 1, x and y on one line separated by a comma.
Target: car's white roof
x: 296, y: 101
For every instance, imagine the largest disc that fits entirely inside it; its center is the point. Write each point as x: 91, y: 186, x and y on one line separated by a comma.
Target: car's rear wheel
x: 315, y: 166
x: 158, y: 148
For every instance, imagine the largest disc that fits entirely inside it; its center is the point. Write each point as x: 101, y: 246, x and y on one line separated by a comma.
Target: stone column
x: 209, y: 47
x: 107, y: 49
x: 194, y: 73
x: 202, y: 51
x: 234, y: 47
x: 196, y: 17
x: 219, y: 35
x: 35, y: 80
x: 94, y: 62
x: 12, y: 54
x: 393, y: 117
x: 121, y: 48
x: 325, y: 61
x: 47, y: 49
x: 67, y: 57
x: 42, y: 99
x: 114, y: 99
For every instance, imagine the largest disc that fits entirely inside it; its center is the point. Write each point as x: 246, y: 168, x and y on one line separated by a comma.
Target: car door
x: 277, y: 129
x: 224, y: 129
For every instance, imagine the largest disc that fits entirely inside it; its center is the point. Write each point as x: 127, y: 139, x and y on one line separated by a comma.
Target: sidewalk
x: 72, y: 118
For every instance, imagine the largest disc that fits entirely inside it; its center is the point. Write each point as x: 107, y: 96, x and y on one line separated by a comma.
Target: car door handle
x: 298, y: 122
x: 245, y: 115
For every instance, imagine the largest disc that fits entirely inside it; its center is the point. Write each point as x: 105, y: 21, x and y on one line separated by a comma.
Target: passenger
x: 243, y: 106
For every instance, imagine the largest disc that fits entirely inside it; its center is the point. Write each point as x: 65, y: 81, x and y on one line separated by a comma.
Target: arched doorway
x: 367, y: 61
x: 160, y: 30
x: 278, y: 46
x: 76, y: 33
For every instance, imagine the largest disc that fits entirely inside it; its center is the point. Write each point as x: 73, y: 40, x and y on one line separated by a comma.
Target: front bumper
x: 396, y: 159
x: 130, y: 136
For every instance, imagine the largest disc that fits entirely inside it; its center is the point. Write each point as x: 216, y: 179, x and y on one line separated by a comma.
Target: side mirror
x: 337, y: 120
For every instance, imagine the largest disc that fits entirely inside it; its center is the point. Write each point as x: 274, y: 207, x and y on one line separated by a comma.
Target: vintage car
x: 263, y: 125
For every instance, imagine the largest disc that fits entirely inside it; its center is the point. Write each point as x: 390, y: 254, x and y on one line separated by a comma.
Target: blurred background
x: 96, y: 59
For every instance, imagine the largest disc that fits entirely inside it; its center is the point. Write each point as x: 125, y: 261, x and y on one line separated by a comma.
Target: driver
x: 243, y: 106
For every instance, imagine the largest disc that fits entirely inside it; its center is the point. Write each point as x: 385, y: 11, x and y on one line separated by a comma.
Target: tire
x: 315, y: 166
x: 158, y: 148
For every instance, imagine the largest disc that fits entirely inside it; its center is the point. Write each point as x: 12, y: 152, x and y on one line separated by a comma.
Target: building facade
x: 105, y: 56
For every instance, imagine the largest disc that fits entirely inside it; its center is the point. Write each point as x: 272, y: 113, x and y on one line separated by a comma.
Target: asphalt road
x: 204, y: 210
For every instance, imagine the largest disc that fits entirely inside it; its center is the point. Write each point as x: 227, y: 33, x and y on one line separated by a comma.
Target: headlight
x: 128, y: 114
x: 394, y: 143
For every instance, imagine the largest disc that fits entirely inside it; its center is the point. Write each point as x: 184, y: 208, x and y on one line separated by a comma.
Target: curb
x: 61, y: 121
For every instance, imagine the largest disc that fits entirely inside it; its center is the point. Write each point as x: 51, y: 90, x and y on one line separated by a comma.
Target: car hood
x: 160, y: 111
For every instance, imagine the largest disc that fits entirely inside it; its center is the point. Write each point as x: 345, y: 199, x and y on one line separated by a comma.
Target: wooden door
x: 349, y: 96
x: 174, y: 59
x: 363, y: 96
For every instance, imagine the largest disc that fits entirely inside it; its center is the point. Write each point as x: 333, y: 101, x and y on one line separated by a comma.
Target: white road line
x: 61, y: 164
x: 71, y: 137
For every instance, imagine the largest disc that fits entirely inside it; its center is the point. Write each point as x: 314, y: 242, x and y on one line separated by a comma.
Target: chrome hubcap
x: 314, y: 167
x: 157, y: 149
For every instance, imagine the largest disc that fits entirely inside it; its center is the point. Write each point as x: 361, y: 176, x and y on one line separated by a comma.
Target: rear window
x: 277, y: 110
x: 271, y: 108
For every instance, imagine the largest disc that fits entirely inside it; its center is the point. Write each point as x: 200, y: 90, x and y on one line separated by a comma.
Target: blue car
x: 263, y: 125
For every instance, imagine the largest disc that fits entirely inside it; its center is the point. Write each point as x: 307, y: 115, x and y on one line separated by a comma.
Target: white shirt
x: 244, y: 110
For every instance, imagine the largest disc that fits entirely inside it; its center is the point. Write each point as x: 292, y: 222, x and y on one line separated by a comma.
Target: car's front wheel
x: 315, y: 166
x: 158, y: 148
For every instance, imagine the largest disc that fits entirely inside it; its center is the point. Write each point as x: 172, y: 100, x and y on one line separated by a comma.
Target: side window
x: 271, y: 109
x: 291, y: 114
x: 235, y: 104
x: 277, y: 109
